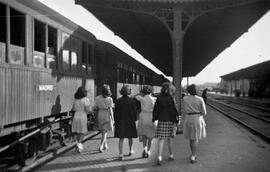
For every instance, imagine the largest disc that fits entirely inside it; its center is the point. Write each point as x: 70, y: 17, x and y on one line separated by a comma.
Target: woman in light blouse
x: 194, y: 125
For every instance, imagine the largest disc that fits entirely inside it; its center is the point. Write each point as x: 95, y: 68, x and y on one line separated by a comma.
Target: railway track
x: 244, y: 102
x: 258, y: 125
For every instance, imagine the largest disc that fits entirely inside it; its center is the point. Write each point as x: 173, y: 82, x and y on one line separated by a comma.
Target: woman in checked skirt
x: 166, y: 115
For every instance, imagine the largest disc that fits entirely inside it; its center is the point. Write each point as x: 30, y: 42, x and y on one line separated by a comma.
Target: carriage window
x: 129, y: 77
x: 17, y: 28
x: 137, y: 79
x: 17, y: 37
x: 65, y: 51
x: 3, y: 23
x: 39, y: 44
x: 3, y: 32
x: 52, y: 47
x: 74, y: 53
x: 39, y: 36
x: 90, y: 59
x: 84, y: 57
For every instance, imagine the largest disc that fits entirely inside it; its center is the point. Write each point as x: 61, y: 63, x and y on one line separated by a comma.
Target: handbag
x: 174, y: 130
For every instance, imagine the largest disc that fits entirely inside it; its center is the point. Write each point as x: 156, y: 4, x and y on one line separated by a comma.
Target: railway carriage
x: 44, y: 58
x: 116, y: 68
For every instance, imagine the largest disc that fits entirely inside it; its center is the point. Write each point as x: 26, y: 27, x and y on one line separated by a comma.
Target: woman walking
x: 167, y: 116
x: 104, y: 104
x: 194, y: 125
x: 125, y: 118
x: 146, y: 129
x: 79, y: 122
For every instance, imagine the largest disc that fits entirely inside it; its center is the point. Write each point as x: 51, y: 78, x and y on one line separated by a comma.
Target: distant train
x: 44, y: 58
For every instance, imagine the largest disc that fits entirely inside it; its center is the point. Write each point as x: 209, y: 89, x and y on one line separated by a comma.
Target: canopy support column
x: 177, y: 42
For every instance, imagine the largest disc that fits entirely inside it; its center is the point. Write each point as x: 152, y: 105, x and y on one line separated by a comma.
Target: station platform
x: 227, y: 148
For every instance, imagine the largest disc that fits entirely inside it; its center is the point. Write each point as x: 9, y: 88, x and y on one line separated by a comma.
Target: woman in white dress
x: 104, y: 105
x: 79, y: 122
x: 146, y: 128
x: 194, y: 125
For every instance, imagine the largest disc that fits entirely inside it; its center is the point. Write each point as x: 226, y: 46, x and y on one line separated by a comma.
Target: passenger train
x: 44, y: 58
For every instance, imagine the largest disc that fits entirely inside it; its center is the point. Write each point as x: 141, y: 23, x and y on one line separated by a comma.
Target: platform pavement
x: 227, y: 148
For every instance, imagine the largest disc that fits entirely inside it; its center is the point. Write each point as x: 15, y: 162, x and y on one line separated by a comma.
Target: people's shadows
x: 56, y: 108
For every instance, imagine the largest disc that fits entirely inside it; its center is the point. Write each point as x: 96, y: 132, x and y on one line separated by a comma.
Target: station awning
x: 261, y: 70
x: 206, y: 37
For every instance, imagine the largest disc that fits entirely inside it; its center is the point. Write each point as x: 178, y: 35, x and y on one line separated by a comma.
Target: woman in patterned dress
x: 167, y: 116
x: 146, y: 129
x: 79, y: 122
x: 104, y: 105
x: 194, y: 125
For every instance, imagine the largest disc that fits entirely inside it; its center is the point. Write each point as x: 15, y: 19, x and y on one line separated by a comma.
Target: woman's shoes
x: 159, y: 160
x: 144, y: 154
x: 171, y: 158
x: 101, y: 149
x: 79, y: 147
x: 120, y: 158
x: 193, y: 159
x: 131, y: 152
x: 106, y: 147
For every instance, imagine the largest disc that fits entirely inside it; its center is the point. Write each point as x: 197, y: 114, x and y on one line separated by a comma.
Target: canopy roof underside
x: 205, y: 38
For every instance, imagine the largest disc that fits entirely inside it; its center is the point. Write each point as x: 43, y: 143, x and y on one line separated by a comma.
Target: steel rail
x: 255, y: 131
x: 245, y: 112
x: 250, y: 105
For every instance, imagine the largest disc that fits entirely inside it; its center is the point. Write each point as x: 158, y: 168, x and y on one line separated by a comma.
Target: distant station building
x: 253, y: 81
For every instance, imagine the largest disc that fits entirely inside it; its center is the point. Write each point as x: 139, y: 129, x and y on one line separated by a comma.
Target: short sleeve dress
x: 194, y: 124
x: 79, y: 122
x: 145, y: 125
x: 104, y: 120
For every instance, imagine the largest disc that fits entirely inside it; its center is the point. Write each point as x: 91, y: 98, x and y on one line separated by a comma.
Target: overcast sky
x: 251, y: 48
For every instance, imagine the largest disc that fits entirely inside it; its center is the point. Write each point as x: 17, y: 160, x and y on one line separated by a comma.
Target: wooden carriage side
x: 44, y: 58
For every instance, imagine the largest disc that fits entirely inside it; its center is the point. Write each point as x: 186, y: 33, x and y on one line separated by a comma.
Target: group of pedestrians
x: 158, y: 117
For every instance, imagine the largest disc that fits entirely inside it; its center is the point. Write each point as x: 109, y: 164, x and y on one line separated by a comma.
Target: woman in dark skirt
x: 167, y: 116
x: 125, y: 116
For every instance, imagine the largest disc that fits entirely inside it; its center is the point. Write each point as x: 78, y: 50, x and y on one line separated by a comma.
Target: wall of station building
x: 246, y: 87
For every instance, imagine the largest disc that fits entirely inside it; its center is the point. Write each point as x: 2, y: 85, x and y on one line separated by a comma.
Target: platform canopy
x: 258, y: 71
x: 216, y: 25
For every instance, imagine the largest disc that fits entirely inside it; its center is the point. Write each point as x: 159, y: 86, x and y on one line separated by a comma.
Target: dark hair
x: 80, y: 93
x: 147, y: 89
x: 191, y: 89
x: 106, y: 91
x: 125, y: 90
x: 167, y: 88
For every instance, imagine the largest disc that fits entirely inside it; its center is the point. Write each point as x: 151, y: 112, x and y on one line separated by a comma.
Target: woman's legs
x: 79, y: 138
x: 144, y: 142
x: 130, y: 143
x: 103, y: 141
x: 121, y: 140
x: 193, y: 147
x: 160, y: 149
x: 149, y: 143
x: 170, y: 146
